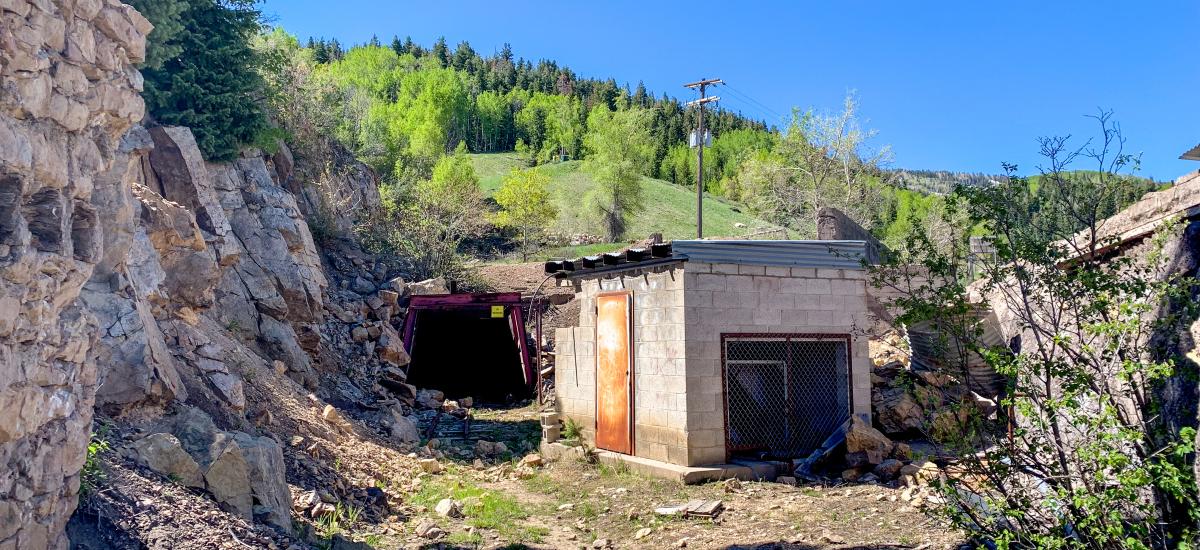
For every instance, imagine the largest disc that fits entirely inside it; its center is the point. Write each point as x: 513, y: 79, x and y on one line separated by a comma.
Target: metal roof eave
x: 780, y: 253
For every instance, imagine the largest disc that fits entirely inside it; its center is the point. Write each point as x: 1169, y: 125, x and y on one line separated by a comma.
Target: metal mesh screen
x: 784, y: 395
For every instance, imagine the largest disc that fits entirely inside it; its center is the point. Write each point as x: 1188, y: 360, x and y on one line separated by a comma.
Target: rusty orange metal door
x: 614, y: 373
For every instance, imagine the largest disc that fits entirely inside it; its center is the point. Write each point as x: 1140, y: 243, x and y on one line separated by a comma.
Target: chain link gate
x: 784, y: 393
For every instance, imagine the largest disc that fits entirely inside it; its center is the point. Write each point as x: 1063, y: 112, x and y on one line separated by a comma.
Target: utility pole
x: 700, y: 143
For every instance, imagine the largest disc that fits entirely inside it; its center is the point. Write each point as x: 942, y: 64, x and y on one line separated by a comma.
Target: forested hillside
x: 415, y: 113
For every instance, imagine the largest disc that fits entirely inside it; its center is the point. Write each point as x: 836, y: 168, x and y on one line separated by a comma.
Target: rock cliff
x: 68, y: 92
x: 142, y: 283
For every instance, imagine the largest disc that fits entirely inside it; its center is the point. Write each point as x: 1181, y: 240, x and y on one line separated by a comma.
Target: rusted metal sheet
x: 614, y: 373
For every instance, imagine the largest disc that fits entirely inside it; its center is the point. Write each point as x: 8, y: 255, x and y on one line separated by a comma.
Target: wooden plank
x: 707, y: 508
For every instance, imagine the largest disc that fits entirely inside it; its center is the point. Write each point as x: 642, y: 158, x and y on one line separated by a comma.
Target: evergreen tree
x: 440, y: 52
x: 374, y: 43
x: 398, y: 46
x: 211, y: 84
x: 412, y: 47
x: 162, y: 43
x: 463, y: 56
x: 640, y: 98
x: 321, y: 51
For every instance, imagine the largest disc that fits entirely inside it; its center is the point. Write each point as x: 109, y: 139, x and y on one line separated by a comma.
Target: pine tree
x: 412, y: 47
x: 162, y: 43
x: 211, y: 84
x: 321, y: 52
x: 441, y: 52
x: 374, y: 43
x: 639, y: 96
x: 398, y: 46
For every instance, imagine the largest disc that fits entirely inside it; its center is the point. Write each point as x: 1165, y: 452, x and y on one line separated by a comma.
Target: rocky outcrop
x: 242, y: 472
x: 68, y: 91
x: 140, y: 281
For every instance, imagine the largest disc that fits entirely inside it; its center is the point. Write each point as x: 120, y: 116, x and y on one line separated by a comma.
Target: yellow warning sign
x: 497, y: 312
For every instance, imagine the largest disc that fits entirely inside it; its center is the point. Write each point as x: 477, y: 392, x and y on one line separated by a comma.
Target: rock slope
x: 68, y: 92
x: 139, y: 281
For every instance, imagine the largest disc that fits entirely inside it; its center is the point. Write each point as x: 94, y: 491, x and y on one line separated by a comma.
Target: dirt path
x: 574, y: 504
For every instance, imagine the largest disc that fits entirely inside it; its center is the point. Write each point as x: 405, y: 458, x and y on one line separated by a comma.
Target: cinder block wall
x: 730, y: 298
x: 679, y: 316
x: 659, y: 384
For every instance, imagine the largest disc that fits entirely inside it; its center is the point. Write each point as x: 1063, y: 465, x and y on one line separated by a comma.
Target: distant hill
x: 940, y: 182
x: 670, y: 209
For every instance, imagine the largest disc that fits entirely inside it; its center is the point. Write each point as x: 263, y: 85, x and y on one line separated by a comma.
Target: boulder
x: 897, y: 411
x: 430, y: 399
x: 532, y: 460
x: 489, y: 448
x: 430, y: 466
x: 244, y: 473
x: 332, y: 416
x: 861, y: 437
x: 362, y: 286
x: 429, y: 530
x: 448, y: 508
x: 920, y: 472
x: 428, y: 286
x: 888, y: 469
x: 391, y: 348
x: 163, y: 453
x: 404, y: 429
x: 857, y: 460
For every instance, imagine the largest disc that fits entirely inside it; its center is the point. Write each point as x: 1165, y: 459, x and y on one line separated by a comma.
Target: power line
x: 746, y: 106
x: 755, y: 101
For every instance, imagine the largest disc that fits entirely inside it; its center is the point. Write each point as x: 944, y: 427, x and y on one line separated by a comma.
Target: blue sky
x: 949, y: 85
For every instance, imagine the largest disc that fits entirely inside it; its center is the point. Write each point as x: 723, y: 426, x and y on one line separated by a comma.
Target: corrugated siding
x: 818, y: 254
x: 935, y: 350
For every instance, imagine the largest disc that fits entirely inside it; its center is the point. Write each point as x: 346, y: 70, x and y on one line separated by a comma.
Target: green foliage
x: 820, y: 161
x: 341, y: 520
x: 203, y: 74
x: 619, y: 153
x: 524, y: 199
x: 669, y: 209
x: 1095, y: 459
x: 424, y: 224
x: 92, y: 476
x: 162, y: 43
x: 483, y: 508
x: 572, y: 430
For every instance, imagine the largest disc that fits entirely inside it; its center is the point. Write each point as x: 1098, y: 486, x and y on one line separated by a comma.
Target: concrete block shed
x: 697, y: 353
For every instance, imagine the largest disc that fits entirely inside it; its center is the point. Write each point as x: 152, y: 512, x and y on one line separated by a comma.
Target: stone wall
x: 68, y: 91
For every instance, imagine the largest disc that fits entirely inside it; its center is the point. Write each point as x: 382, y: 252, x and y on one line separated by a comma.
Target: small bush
x: 572, y: 430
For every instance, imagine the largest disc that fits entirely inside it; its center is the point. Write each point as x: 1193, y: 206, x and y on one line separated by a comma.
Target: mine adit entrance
x: 469, y: 345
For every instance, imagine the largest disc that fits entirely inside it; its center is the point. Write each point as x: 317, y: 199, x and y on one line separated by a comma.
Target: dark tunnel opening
x: 467, y: 352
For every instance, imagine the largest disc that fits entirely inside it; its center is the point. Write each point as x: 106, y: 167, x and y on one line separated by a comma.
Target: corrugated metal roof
x: 1191, y: 154
x: 820, y: 254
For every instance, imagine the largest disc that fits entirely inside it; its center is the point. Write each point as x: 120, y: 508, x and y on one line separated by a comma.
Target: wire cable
x: 747, y: 97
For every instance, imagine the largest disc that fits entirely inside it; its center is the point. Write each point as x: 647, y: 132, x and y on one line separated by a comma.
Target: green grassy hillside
x: 669, y: 209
